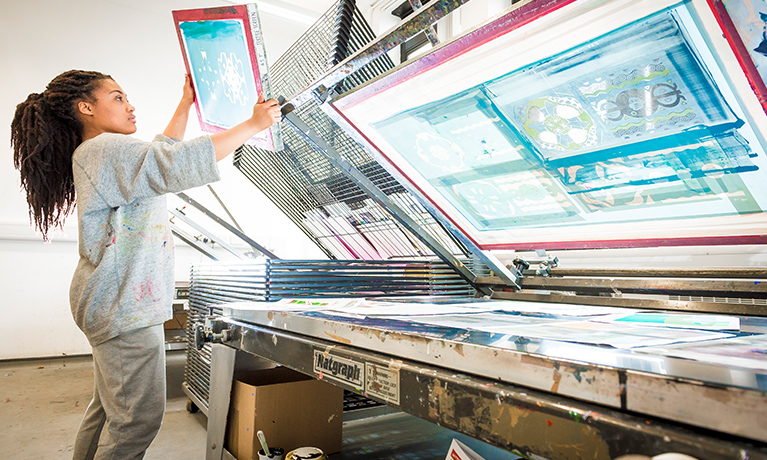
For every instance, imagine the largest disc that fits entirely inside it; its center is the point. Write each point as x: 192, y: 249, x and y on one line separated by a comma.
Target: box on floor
x: 292, y: 409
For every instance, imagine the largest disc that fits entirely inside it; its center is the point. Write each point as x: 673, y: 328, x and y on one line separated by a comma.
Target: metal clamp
x: 544, y: 265
x: 212, y: 331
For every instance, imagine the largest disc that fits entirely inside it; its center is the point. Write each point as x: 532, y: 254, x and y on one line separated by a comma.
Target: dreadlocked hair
x: 45, y: 132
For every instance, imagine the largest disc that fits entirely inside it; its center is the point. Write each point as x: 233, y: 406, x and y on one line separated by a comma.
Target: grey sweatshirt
x: 124, y: 279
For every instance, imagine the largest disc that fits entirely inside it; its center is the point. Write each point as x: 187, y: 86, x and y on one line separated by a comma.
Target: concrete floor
x: 43, y: 401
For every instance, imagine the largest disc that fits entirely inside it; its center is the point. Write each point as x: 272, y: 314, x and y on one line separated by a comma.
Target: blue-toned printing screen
x: 628, y: 127
x: 221, y: 70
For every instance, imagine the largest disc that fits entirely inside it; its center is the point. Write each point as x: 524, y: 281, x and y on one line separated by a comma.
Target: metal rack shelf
x: 217, y: 283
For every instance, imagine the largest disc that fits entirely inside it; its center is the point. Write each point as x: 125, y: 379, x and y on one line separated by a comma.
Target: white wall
x: 135, y: 42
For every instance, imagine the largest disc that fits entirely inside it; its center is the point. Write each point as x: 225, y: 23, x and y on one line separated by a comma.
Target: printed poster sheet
x: 675, y: 320
x: 749, y: 351
x: 588, y: 332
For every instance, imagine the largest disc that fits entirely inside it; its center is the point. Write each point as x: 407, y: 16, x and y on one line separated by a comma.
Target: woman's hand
x: 265, y: 113
x: 188, y: 95
x: 177, y: 125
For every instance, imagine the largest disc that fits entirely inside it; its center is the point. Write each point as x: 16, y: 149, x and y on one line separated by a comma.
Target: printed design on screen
x: 221, y: 69
x: 233, y: 78
x: 644, y: 99
x: 524, y: 195
x: 641, y: 83
x: 558, y: 123
x: 489, y: 200
x: 454, y: 137
x: 626, y: 128
x: 439, y: 152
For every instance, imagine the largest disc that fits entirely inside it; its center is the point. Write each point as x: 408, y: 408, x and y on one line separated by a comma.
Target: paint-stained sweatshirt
x: 124, y: 280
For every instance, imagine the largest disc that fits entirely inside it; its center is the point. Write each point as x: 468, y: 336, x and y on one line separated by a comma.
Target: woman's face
x: 110, y: 111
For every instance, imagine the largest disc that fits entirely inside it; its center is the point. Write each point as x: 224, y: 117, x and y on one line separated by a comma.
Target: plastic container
x: 306, y: 453
x: 278, y: 453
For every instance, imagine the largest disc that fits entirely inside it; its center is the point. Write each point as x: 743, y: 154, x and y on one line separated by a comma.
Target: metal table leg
x: 221, y: 374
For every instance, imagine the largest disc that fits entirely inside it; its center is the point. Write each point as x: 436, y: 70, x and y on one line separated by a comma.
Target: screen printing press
x: 546, y: 233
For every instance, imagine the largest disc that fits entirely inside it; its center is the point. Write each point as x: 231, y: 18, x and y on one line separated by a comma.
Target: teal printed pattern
x: 558, y: 123
x: 221, y: 68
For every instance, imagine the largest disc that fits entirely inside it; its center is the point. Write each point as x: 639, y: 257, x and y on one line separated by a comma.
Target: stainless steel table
x: 540, y: 398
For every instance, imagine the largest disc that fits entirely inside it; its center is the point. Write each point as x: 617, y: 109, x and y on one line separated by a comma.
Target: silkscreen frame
x: 515, y: 39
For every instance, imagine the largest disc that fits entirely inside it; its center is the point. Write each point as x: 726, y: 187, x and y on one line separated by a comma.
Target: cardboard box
x: 292, y: 409
x: 179, y: 320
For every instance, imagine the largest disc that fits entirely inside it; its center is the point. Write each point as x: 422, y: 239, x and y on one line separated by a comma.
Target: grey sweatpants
x: 128, y: 398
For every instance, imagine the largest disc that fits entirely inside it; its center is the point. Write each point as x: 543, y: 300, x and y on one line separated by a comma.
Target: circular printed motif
x: 438, y: 151
x: 486, y: 199
x: 559, y: 123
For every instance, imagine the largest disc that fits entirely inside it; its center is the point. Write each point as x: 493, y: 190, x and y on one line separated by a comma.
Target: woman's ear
x: 84, y: 108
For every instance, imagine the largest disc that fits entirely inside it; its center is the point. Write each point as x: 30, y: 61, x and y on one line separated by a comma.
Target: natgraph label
x: 345, y: 370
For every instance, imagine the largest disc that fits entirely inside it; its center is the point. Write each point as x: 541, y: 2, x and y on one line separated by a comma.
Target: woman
x: 70, y: 145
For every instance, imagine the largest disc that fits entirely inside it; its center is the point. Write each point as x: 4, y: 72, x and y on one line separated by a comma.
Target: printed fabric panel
x: 640, y: 83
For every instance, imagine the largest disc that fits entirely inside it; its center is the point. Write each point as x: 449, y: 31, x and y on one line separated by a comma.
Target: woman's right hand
x: 188, y: 96
x: 265, y: 113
